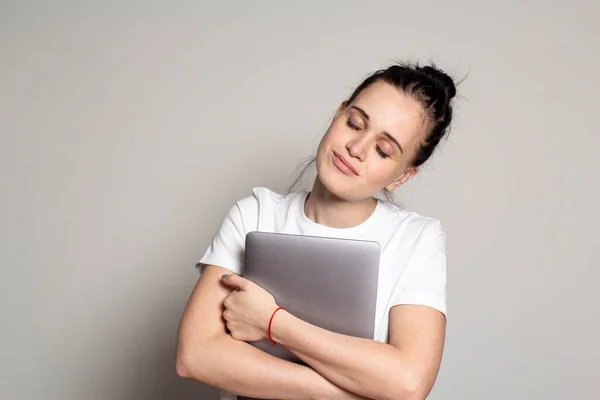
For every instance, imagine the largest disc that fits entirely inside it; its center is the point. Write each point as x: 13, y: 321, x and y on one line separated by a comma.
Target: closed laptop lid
x: 328, y: 282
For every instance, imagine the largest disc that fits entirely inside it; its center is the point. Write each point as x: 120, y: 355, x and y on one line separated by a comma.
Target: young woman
x: 377, y: 141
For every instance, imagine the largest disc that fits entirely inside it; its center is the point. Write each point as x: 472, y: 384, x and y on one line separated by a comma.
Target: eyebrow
x: 389, y: 136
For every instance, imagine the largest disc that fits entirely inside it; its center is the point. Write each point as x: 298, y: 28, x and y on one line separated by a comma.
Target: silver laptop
x: 330, y: 283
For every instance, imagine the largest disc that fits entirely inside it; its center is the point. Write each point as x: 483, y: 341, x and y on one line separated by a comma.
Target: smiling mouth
x: 343, y: 165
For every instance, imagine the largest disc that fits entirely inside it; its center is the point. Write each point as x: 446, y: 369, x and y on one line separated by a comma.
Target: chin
x: 342, y: 188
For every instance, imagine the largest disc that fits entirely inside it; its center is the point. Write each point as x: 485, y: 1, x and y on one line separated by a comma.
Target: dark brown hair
x: 431, y: 87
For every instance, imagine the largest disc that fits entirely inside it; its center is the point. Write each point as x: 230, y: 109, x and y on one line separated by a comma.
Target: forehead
x: 392, y: 111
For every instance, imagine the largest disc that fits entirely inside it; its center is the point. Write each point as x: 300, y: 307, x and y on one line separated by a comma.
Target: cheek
x: 383, y: 172
x: 331, y: 139
x: 331, y: 135
x: 337, y: 131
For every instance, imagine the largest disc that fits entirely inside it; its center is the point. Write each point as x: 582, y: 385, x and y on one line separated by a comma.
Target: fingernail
x: 224, y: 276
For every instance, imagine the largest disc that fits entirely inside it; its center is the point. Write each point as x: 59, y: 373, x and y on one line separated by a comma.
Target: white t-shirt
x: 412, y: 266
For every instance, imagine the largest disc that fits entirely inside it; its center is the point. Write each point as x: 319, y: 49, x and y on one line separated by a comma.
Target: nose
x: 358, y: 147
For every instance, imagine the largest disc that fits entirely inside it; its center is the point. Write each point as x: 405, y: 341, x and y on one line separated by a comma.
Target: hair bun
x: 442, y: 79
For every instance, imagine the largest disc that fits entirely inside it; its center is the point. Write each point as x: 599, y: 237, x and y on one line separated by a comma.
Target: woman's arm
x: 404, y: 369
x: 207, y: 354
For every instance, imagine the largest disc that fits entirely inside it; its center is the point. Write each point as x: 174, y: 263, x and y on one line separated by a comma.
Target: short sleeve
x: 424, y: 280
x: 227, y: 247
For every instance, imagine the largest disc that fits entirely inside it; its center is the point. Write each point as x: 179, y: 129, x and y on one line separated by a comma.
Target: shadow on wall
x: 155, y: 377
x: 163, y: 383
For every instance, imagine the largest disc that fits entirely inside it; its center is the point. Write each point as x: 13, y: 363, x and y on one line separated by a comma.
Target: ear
x: 342, y: 106
x: 403, y: 178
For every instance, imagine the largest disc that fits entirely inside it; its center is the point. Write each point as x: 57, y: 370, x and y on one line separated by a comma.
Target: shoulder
x: 263, y: 198
x: 264, y: 201
x: 412, y: 226
x: 267, y: 196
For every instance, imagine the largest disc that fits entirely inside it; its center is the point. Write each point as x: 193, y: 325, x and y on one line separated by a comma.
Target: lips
x: 344, y: 165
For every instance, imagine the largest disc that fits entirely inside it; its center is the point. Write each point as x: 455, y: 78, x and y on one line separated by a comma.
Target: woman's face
x: 370, y: 143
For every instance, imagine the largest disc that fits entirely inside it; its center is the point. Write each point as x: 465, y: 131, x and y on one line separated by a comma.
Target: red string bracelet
x: 270, y: 323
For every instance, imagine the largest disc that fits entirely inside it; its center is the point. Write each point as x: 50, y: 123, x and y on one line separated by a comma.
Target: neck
x: 325, y: 208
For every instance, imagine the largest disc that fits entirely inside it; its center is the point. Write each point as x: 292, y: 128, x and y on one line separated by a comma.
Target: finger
x: 235, y: 281
x: 227, y: 300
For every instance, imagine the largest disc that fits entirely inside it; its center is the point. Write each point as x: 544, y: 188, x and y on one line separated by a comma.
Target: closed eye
x: 381, y: 153
x: 352, y: 125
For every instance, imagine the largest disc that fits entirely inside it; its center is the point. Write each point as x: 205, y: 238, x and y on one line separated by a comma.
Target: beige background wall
x: 128, y: 129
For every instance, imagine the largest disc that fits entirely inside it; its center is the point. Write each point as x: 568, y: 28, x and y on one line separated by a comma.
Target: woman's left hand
x: 248, y: 309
